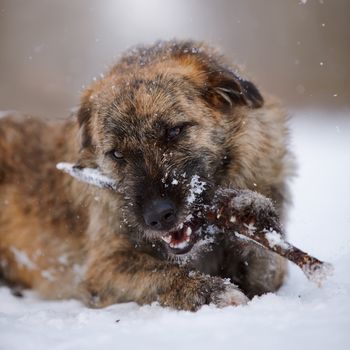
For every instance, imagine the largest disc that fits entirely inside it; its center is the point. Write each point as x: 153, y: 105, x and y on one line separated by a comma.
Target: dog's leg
x: 128, y: 275
x: 254, y: 269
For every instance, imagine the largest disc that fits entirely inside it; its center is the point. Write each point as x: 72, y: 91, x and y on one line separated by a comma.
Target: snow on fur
x: 196, y: 187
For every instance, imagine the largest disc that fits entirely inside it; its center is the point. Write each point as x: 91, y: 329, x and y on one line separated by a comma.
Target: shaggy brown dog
x: 170, y: 123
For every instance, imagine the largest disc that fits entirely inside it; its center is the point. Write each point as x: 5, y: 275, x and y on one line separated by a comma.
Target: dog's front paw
x: 231, y: 295
x: 191, y: 292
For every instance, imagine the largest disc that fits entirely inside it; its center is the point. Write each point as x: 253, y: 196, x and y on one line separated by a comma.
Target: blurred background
x: 50, y: 50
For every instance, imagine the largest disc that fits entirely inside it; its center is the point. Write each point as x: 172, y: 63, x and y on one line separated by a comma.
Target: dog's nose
x: 160, y: 214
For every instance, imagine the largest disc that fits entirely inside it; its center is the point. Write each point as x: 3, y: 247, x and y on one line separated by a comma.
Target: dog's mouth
x: 182, y: 239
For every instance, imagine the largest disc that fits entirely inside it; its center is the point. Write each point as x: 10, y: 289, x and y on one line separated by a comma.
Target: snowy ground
x: 300, y: 316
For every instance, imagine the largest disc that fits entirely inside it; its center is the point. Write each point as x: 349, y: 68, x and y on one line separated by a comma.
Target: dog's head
x: 160, y: 124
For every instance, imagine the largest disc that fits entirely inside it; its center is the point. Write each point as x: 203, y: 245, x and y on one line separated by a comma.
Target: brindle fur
x: 67, y: 239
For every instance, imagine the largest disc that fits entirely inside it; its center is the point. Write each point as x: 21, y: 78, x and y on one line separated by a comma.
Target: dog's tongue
x: 178, y: 236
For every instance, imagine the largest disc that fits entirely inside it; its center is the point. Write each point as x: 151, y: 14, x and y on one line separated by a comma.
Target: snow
x: 318, y: 273
x: 275, y: 239
x: 48, y: 275
x: 248, y: 198
x: 4, y: 114
x: 250, y: 227
x: 299, y: 316
x: 196, y: 187
x: 23, y: 259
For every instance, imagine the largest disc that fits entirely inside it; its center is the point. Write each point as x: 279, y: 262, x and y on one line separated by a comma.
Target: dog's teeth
x: 188, y: 231
x: 180, y: 245
x: 181, y: 226
x: 232, y: 219
x: 166, y: 239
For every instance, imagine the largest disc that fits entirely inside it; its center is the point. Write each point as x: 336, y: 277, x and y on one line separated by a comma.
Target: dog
x: 170, y: 123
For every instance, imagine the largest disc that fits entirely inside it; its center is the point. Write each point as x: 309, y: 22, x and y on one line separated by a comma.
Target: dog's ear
x: 84, y: 117
x: 224, y: 89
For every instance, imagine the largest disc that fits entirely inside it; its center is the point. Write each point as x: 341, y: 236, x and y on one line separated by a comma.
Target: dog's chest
x: 209, y: 262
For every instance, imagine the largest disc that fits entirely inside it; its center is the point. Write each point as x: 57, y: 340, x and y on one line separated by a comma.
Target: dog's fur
x: 68, y: 239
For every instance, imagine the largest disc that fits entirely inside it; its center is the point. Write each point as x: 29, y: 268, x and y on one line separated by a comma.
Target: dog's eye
x: 116, y: 155
x: 174, y: 132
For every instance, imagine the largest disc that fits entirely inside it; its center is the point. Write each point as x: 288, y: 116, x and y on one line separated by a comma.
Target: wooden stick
x: 88, y: 175
x: 250, y: 215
